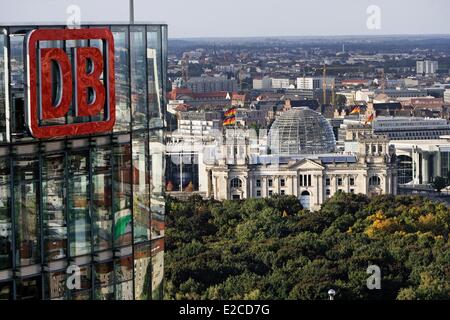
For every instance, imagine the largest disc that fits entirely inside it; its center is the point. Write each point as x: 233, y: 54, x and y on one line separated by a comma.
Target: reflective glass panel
x: 141, y: 201
x: 85, y: 295
x: 26, y: 210
x: 79, y: 216
x: 157, y: 183
x: 101, y: 204
x: 157, y: 268
x: 84, y: 292
x: 16, y: 59
x: 16, y: 85
x: 6, y: 291
x: 142, y: 271
x: 3, y: 82
x: 55, y: 285
x: 124, y: 269
x: 154, y: 76
x: 124, y: 290
x: 5, y: 216
x: 104, y: 274
x: 104, y: 293
x: 122, y: 70
x: 53, y: 202
x: 122, y: 195
x: 29, y: 288
x: 138, y: 77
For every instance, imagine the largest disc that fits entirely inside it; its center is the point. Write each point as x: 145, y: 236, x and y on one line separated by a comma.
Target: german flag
x: 230, y: 112
x: 229, y: 121
x: 369, y: 119
x: 356, y: 109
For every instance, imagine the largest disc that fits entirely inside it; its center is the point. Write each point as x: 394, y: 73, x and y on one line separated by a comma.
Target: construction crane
x: 333, y: 96
x: 185, y: 68
x: 383, y: 82
x: 324, y: 84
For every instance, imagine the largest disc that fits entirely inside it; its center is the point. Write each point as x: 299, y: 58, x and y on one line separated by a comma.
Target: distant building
x: 316, y: 94
x: 420, y: 161
x: 386, y: 109
x: 312, y: 179
x: 271, y: 108
x: 447, y: 96
x: 366, y: 95
x: 426, y: 67
x: 199, y: 123
x: 226, y: 68
x: 262, y: 83
x: 303, y: 93
x: 312, y: 83
x: 349, y: 97
x: 404, y: 93
x: 349, y: 83
x: 211, y: 84
x: 309, y: 171
x: 302, y: 162
x: 238, y: 100
x: 351, y: 129
x: 427, y: 107
x: 246, y: 117
x: 174, y: 106
x: 411, y: 82
x: 290, y: 103
x: 219, y: 98
x: 410, y: 128
x: 279, y: 83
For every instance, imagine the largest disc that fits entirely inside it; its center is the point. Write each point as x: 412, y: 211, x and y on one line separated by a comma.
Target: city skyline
x: 262, y: 150
x: 246, y: 19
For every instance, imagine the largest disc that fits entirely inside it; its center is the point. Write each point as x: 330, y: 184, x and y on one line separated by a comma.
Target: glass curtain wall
x: 83, y: 217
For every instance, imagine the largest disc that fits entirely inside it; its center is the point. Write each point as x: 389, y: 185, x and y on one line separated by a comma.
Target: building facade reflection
x: 93, y: 204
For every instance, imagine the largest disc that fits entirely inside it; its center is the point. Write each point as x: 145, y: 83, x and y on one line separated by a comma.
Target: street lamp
x: 331, y: 294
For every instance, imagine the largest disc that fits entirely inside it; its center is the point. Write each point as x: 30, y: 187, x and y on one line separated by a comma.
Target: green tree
x: 272, y: 249
x: 438, y: 183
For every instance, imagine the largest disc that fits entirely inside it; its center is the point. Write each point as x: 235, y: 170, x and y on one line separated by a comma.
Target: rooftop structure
x: 411, y: 128
x: 301, y: 131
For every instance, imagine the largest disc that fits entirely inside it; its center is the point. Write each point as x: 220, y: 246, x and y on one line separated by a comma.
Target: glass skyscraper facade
x: 83, y: 217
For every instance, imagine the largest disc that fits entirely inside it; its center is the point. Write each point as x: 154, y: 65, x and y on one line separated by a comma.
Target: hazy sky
x: 228, y: 18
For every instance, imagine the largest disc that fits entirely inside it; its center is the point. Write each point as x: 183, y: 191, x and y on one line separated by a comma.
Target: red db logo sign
x: 58, y: 85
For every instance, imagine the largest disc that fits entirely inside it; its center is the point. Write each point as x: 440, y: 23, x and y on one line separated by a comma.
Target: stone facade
x: 311, y: 178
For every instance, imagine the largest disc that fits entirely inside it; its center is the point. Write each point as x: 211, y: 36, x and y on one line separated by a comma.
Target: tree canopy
x: 273, y: 249
x: 439, y: 183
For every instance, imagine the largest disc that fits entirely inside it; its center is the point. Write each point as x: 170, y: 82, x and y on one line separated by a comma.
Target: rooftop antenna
x: 131, y: 11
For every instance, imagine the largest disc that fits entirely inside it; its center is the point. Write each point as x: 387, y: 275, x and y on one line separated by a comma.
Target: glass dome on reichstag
x: 301, y: 131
